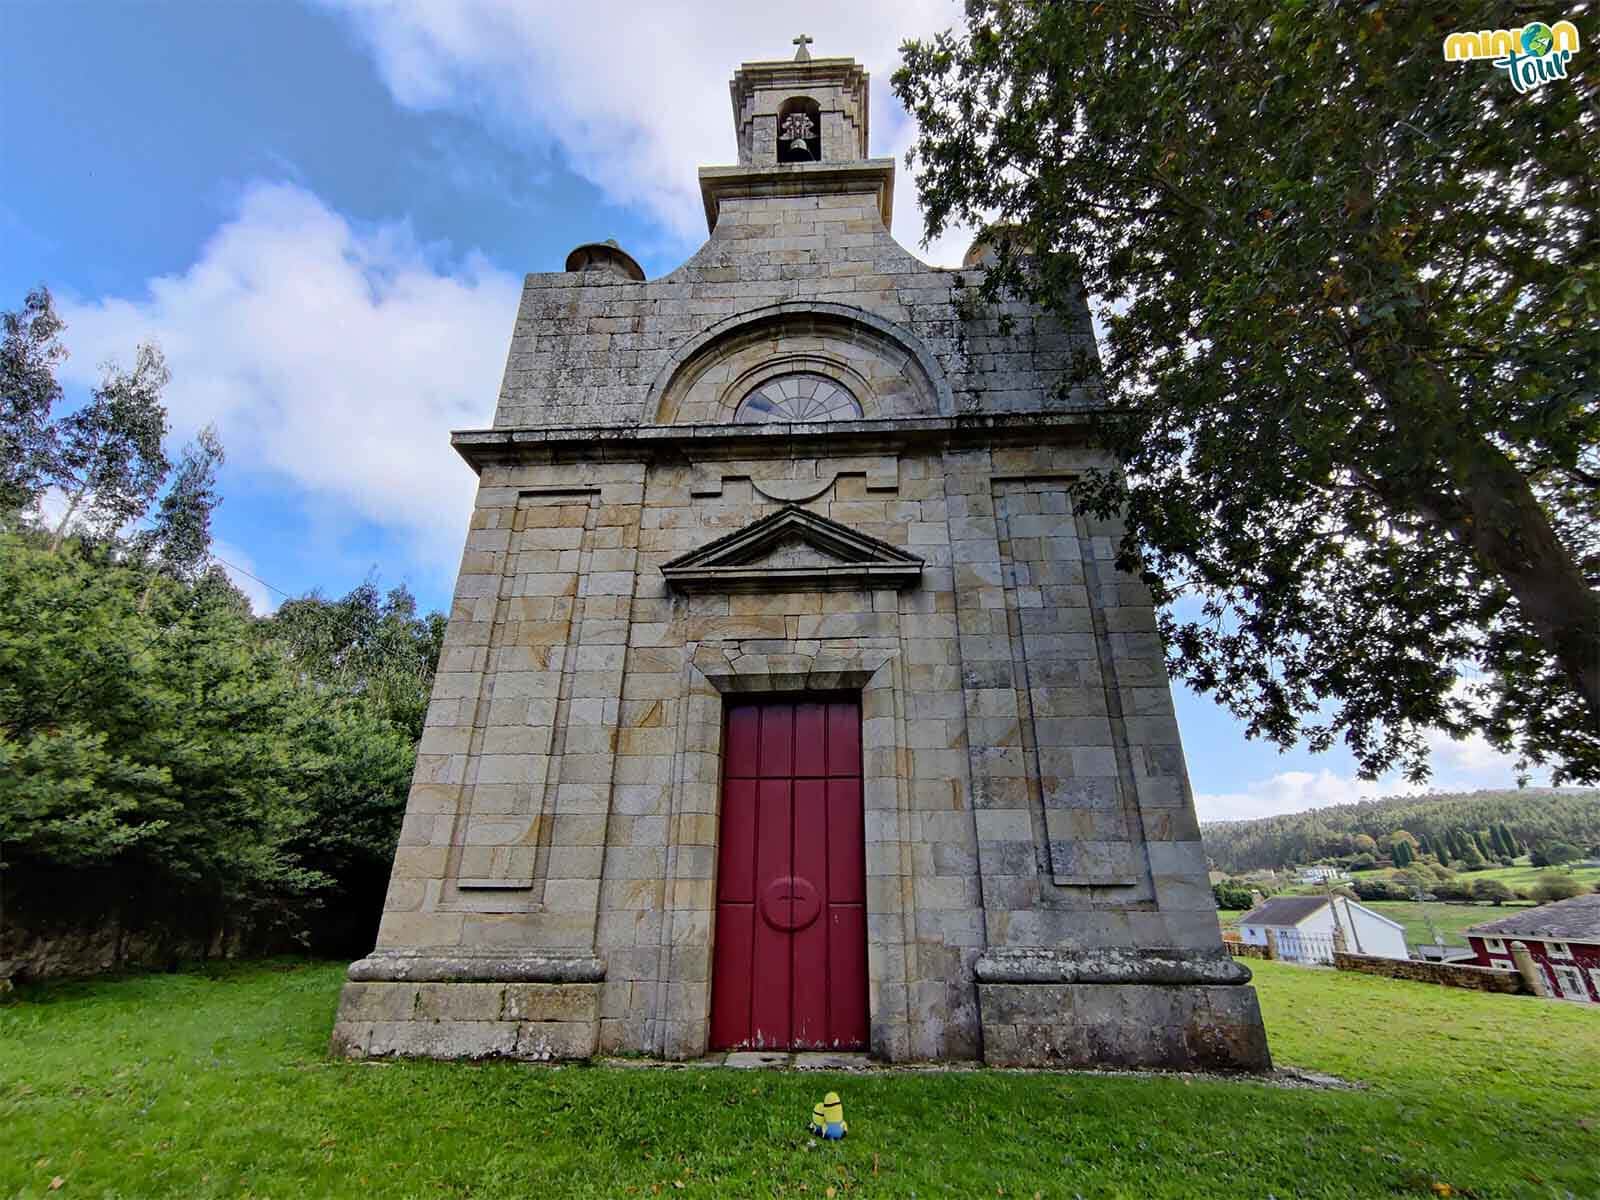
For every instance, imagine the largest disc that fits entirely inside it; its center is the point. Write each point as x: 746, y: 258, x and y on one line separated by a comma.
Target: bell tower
x: 773, y: 100
x: 802, y: 128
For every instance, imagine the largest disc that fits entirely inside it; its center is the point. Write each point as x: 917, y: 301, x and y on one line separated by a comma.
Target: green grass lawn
x: 1521, y: 876
x: 1449, y: 919
x: 217, y: 1084
x: 1524, y: 876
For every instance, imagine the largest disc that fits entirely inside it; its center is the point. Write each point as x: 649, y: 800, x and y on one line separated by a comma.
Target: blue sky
x: 322, y: 213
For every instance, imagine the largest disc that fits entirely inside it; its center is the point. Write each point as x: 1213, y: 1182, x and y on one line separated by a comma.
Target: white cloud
x: 241, y: 570
x: 1292, y: 791
x: 634, y: 95
x: 337, y: 357
x: 1470, y: 756
x: 1458, y: 766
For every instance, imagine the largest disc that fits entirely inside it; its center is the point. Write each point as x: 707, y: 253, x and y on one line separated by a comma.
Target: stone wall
x: 63, y: 924
x: 567, y: 784
x: 1245, y: 949
x: 592, y: 349
x: 1198, y: 1028
x: 460, y: 1019
x: 1481, y: 979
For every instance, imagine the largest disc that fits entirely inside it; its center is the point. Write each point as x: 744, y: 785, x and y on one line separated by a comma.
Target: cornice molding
x: 799, y: 179
x: 644, y: 443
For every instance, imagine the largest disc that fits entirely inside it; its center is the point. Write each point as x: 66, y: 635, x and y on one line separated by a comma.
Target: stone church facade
x: 787, y: 699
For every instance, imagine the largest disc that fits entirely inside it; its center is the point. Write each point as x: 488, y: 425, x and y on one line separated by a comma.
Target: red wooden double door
x: 790, y: 968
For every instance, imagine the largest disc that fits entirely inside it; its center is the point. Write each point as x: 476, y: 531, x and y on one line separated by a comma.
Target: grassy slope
x: 217, y: 1085
x: 1449, y: 919
x: 1522, y: 876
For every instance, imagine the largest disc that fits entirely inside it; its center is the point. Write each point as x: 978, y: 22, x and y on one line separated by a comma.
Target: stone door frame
x: 680, y: 1024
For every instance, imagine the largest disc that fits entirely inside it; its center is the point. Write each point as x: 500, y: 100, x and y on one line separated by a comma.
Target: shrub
x: 1554, y: 854
x: 1554, y: 886
x: 1229, y: 893
x: 1379, y: 889
x: 1491, y: 890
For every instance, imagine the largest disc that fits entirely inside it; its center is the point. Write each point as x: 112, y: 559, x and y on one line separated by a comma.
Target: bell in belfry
x: 798, y: 129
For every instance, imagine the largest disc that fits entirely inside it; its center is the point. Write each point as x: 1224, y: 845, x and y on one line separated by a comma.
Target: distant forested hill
x: 1536, y: 816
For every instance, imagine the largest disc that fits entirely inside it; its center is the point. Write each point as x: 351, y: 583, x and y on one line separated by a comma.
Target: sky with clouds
x: 322, y: 213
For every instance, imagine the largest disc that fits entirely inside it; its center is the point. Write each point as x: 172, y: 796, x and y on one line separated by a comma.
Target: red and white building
x: 1563, y: 938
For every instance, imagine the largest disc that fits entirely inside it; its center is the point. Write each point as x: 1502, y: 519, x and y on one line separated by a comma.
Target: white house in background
x: 1304, y: 928
x: 1318, y: 874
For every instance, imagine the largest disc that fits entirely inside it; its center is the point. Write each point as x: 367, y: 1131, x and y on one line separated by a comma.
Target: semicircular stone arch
x: 883, y: 368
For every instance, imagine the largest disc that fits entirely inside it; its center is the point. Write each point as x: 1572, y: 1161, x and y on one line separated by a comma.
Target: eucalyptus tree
x: 30, y: 348
x: 110, y: 461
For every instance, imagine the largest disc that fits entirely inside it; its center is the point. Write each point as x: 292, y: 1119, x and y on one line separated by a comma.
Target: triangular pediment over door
x: 792, y: 550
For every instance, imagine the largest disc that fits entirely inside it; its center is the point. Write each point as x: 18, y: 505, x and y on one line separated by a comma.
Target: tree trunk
x: 61, y: 529
x: 1509, y: 533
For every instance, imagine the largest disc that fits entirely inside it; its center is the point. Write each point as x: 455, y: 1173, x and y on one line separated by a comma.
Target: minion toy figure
x: 819, y: 1123
x: 833, y: 1122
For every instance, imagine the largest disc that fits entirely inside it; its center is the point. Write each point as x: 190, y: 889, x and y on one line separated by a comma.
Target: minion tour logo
x: 1532, y: 55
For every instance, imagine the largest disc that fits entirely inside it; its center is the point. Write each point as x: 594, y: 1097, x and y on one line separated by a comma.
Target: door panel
x: 789, y: 969
x: 847, y: 843
x: 770, y: 999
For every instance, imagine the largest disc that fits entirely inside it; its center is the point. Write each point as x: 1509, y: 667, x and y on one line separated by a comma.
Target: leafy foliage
x: 1491, y: 890
x: 176, y: 741
x: 1555, y: 854
x: 1554, y: 885
x: 110, y: 462
x: 178, y: 542
x: 367, y: 644
x: 1530, y: 816
x: 1229, y: 893
x: 29, y: 351
x: 1351, y: 298
x: 257, y: 766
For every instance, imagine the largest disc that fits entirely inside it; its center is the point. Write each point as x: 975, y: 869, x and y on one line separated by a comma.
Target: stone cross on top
x: 802, y: 54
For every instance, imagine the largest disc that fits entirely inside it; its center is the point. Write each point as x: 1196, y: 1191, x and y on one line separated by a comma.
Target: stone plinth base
x: 1168, y: 1009
x: 445, y: 1005
x: 1129, y: 1025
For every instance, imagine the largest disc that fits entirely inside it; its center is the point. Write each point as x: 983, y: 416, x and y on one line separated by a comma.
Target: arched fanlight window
x: 800, y: 396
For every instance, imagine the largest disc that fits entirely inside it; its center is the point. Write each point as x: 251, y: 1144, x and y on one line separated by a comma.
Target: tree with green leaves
x: 367, y: 643
x: 1556, y: 885
x: 172, y: 739
x: 30, y: 348
x: 177, y: 544
x: 1351, y: 303
x: 1401, y: 853
x: 162, y: 735
x: 110, y: 461
x: 1556, y: 854
x: 1231, y: 894
x: 1491, y: 891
